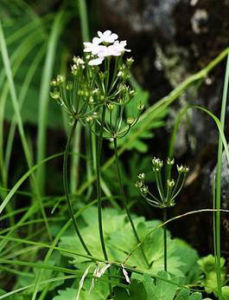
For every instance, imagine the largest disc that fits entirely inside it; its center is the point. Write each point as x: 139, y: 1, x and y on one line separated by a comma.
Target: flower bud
x: 55, y: 95
x: 78, y: 61
x: 139, y: 184
x: 141, y: 176
x: 170, y: 161
x: 132, y: 93
x: 130, y: 121
x: 140, y: 107
x: 182, y: 169
x: 74, y: 69
x: 91, y: 100
x: 69, y: 86
x: 53, y: 83
x: 110, y: 106
x: 60, y: 79
x: 129, y: 61
x: 170, y: 183
x: 157, y: 163
x: 144, y: 189
x: 89, y: 119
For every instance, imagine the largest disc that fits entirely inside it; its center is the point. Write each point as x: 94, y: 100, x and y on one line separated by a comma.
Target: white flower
x: 92, y: 47
x: 118, y: 48
x: 107, y: 37
x: 96, y: 61
x: 103, y: 51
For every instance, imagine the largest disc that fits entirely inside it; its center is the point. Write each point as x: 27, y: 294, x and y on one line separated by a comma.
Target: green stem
x: 99, y: 140
x: 125, y: 202
x: 217, y: 204
x: 165, y: 238
x: 66, y: 188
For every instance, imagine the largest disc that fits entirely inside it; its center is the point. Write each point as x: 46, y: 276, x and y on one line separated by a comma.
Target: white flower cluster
x: 105, y: 45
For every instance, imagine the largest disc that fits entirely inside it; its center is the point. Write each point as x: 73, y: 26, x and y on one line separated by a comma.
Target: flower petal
x: 95, y: 62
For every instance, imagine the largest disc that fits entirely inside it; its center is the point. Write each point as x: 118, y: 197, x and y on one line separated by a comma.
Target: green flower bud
x: 139, y: 184
x: 170, y: 183
x: 170, y: 161
x: 182, y: 169
x: 141, y: 176
x: 110, y: 106
x: 157, y: 163
x: 69, y: 86
x: 53, y: 83
x: 55, y: 95
x: 129, y: 61
x: 140, y: 107
x: 91, y: 100
x: 89, y: 119
x: 130, y: 121
x: 78, y: 61
x: 60, y: 79
x: 144, y: 189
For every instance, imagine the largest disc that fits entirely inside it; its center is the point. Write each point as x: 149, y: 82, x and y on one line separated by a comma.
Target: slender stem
x: 165, y: 238
x: 74, y: 169
x: 217, y: 204
x: 125, y: 202
x: 99, y: 140
x: 66, y: 188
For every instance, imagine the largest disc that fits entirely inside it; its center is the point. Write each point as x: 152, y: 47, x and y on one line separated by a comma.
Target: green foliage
x: 209, y: 282
x: 120, y: 241
x: 69, y: 294
x: 25, y: 280
x: 99, y: 292
x: 167, y: 287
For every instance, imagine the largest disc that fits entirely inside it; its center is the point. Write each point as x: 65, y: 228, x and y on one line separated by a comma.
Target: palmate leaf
x: 160, y: 290
x: 185, y: 294
x: 69, y: 294
x: 136, y: 291
x: 144, y: 287
x: 120, y: 241
x: 99, y: 292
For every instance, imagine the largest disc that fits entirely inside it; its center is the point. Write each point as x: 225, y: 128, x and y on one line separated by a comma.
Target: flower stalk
x: 125, y: 202
x: 66, y: 188
x: 99, y: 141
x: 168, y: 189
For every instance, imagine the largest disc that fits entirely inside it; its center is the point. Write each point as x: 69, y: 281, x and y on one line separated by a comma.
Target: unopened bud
x: 53, y: 82
x: 60, y: 79
x: 129, y: 61
x: 139, y: 184
x: 170, y: 183
x: 144, y: 189
x: 141, y: 176
x: 69, y: 86
x: 170, y: 161
x: 110, y: 106
x: 140, y: 107
x: 55, y: 95
x: 130, y: 121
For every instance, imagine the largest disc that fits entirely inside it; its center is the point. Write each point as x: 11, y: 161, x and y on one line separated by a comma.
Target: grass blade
x: 217, y: 203
x: 16, y: 107
x: 44, y: 95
